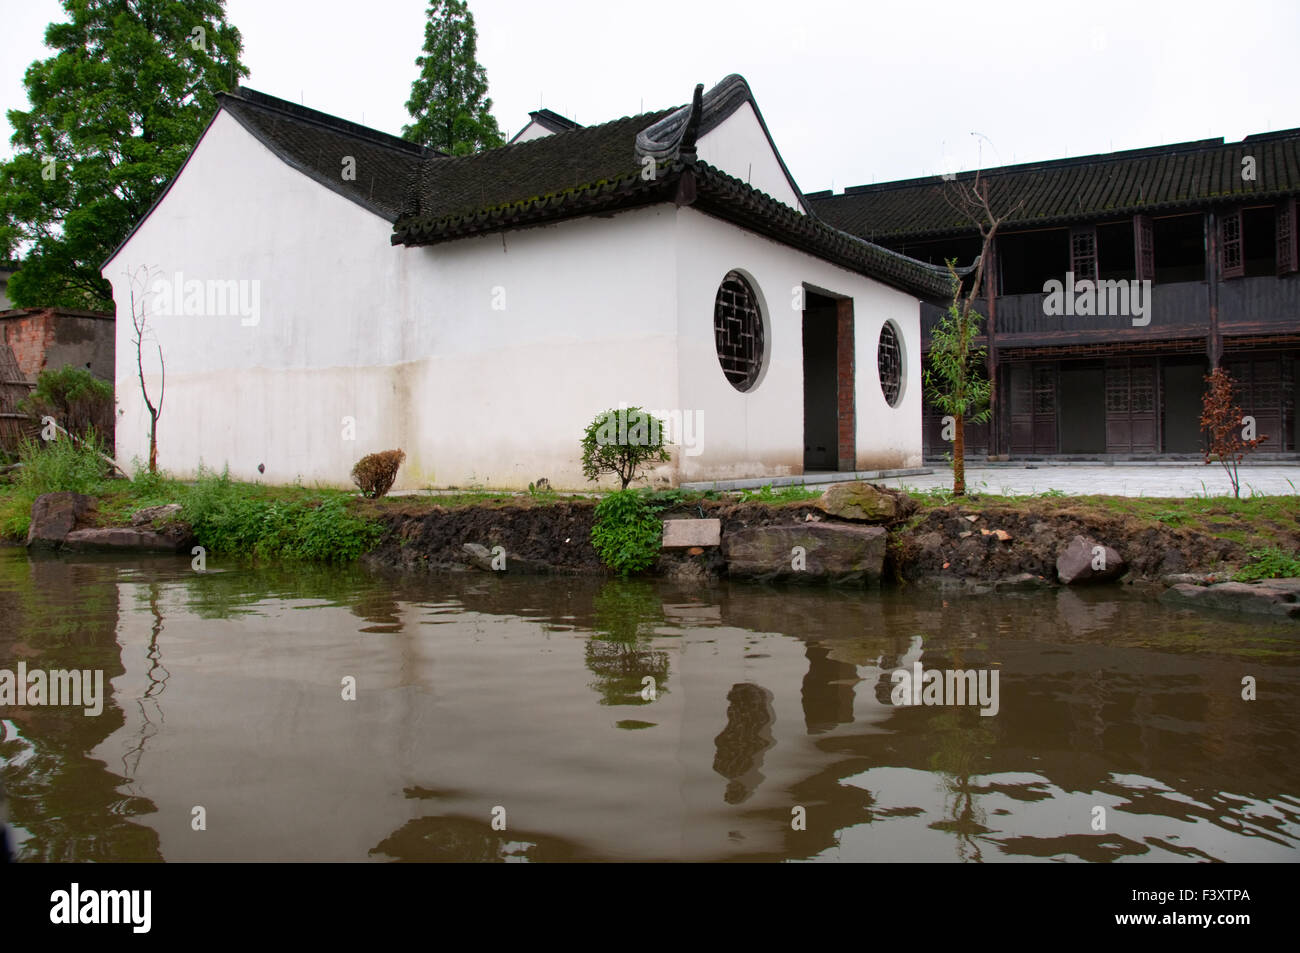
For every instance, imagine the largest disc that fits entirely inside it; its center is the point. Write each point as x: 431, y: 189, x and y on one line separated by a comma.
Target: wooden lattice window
x: 738, y: 331
x: 1083, y: 252
x: 1144, y: 248
x: 1288, y: 252
x: 889, y: 361
x: 1232, y: 261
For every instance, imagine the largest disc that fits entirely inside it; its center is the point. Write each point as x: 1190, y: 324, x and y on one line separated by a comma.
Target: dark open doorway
x: 829, y: 398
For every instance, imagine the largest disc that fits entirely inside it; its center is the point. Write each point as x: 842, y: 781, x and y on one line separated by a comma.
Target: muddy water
x: 480, y: 696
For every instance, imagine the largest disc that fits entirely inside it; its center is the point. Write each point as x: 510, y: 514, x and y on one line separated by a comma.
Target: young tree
x: 953, y: 381
x: 621, y: 442
x: 114, y: 113
x: 449, y: 103
x: 139, y: 324
x: 1232, y: 436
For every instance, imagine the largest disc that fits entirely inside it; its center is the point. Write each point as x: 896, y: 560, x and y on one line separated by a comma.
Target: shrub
x: 621, y: 442
x: 626, y: 533
x: 1268, y: 564
x: 78, y: 400
x: 375, y: 473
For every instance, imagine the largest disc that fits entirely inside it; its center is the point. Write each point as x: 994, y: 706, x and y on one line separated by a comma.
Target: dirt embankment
x: 961, y: 541
x: 946, y: 540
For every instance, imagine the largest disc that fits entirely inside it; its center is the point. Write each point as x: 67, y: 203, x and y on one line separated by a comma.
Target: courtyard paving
x: 1128, y: 479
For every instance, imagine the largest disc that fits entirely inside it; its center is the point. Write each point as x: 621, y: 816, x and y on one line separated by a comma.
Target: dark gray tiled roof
x: 1161, y: 179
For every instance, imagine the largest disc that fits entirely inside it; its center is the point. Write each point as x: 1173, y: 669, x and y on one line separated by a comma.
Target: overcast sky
x: 853, y: 91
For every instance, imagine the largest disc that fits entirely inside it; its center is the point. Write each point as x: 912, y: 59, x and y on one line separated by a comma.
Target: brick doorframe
x: 846, y: 414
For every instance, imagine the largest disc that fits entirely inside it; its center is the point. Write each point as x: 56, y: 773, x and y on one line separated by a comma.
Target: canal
x: 298, y: 713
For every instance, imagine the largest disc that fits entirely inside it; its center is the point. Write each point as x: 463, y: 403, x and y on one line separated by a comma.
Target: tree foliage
x: 953, y: 382
x: 114, y: 113
x: 1231, y: 435
x: 77, y: 400
x: 449, y: 102
x: 621, y: 442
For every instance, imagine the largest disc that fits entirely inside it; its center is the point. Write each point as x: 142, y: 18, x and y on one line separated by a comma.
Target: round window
x: 889, y: 361
x: 738, y: 331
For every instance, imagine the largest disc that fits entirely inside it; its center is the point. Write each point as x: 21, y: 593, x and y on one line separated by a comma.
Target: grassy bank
x: 251, y: 520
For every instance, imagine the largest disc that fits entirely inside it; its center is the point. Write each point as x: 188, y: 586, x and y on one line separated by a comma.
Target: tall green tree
x: 449, y: 102
x: 114, y: 113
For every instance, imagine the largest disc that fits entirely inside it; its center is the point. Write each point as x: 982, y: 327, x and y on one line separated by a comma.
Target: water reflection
x: 478, y: 691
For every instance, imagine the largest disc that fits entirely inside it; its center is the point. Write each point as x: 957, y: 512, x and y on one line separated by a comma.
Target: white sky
x: 853, y: 91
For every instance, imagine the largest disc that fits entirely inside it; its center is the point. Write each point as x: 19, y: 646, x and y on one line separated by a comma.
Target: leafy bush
x: 1268, y: 564
x: 375, y: 473
x: 626, y: 533
x: 78, y: 400
x: 621, y: 442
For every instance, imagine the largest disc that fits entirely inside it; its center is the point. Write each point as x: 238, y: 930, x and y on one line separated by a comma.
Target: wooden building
x: 1211, y: 225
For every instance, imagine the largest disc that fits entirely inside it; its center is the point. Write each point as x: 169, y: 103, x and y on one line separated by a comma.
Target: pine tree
x: 449, y: 103
x: 114, y: 113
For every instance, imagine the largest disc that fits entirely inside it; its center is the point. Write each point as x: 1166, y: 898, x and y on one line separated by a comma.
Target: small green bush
x: 626, y: 534
x: 1268, y: 564
x: 621, y: 442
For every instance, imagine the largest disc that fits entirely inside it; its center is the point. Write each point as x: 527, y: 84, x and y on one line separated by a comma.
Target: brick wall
x: 53, y: 337
x: 846, y: 417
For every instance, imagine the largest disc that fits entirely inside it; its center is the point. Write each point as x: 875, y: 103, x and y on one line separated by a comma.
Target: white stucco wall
x: 482, y: 358
x: 761, y: 432
x: 534, y: 130
x: 739, y: 147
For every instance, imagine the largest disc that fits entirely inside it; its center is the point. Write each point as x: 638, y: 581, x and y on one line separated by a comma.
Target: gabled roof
x: 316, y: 144
x: 1169, y: 178
x: 602, y: 169
x: 553, y: 120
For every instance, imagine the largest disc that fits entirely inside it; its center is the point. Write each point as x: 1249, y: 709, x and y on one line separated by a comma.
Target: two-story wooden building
x: 1211, y: 225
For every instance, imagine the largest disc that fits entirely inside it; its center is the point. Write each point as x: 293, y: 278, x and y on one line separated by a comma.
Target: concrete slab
x: 1121, y: 479
x: 683, y: 534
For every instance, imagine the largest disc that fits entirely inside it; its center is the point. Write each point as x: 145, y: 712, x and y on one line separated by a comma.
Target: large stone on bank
x: 683, y: 534
x: 834, y: 552
x: 1085, y: 561
x: 156, y: 514
x: 174, y: 538
x: 866, y: 503
x: 1278, y: 597
x: 55, y: 515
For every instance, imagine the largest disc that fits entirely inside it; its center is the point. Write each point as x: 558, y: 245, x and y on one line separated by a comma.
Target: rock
x: 866, y: 503
x: 1002, y: 534
x: 1279, y: 597
x: 155, y: 514
x: 492, y: 560
x: 695, y: 551
x: 831, y: 551
x: 175, y: 538
x: 683, y: 534
x: 55, y: 515
x: 965, y: 535
x: 1188, y: 578
x: 1019, y: 582
x: 971, y: 518
x: 1086, y: 561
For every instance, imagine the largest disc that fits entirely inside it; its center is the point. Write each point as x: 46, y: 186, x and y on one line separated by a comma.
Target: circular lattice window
x: 889, y: 361
x: 738, y: 331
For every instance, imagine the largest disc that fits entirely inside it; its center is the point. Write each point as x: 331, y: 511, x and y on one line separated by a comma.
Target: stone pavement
x: 1126, y: 479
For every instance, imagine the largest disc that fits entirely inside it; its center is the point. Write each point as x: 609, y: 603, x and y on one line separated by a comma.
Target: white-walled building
x: 319, y: 291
